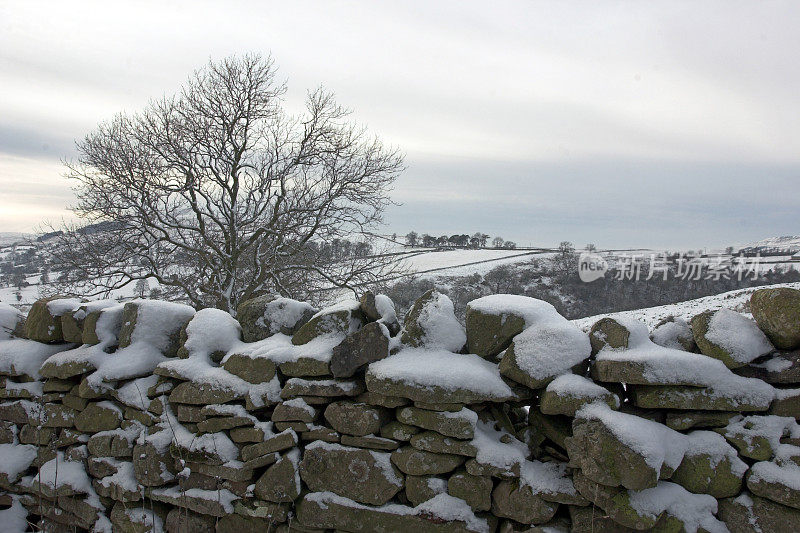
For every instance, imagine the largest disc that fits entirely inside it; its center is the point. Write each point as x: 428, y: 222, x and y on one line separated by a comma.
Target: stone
x: 701, y: 325
x: 430, y: 441
x: 212, y: 502
x: 41, y: 325
x: 358, y: 419
x: 306, y: 367
x: 171, y: 323
x: 72, y: 326
x: 153, y: 467
x: 126, y: 519
x: 29, y: 434
x: 277, y: 443
x: 223, y: 423
x: 608, y: 332
x: 269, y: 511
x: 475, y: 490
x: 193, y: 393
x: 694, y: 399
x: 269, y: 314
x: 488, y: 334
x: 422, y: 488
x: 358, y: 349
x: 324, y: 512
x: 294, y: 410
x: 568, y: 393
x: 684, y: 420
x: 371, y: 442
x: 297, y: 427
x: 339, y: 319
x: 710, y: 466
x: 101, y: 416
x: 605, y: 459
x: 776, y: 482
x: 555, y: 428
x: 747, y: 513
x: 281, y: 482
x: 416, y: 462
x: 89, y: 326
x: 398, y: 431
x: 786, y: 403
x: 328, y: 388
x: 247, y: 434
x: 361, y: 475
x: 181, y: 520
x: 433, y: 307
x: 512, y: 500
x: 592, y: 520
x: 376, y: 398
x: 58, y: 416
x: 251, y: 369
x: 459, y: 425
x: 777, y: 313
x: 322, y: 433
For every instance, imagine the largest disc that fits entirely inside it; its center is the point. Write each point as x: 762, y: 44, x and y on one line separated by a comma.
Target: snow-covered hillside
x: 737, y: 300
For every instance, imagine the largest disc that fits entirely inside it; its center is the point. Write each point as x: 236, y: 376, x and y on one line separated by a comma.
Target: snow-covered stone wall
x: 151, y: 416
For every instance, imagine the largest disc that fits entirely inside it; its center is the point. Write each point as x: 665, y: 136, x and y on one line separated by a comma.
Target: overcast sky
x: 623, y: 123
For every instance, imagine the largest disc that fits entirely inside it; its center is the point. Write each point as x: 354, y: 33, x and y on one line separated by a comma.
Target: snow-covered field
x: 737, y: 300
x: 463, y: 262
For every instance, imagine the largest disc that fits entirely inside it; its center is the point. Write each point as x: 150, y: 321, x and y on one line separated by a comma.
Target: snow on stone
x: 211, y: 330
x: 696, y: 511
x: 124, y: 477
x: 738, y: 335
x: 58, y: 472
x: 442, y: 506
x: 15, y: 459
x: 493, y: 451
x: 62, y: 306
x: 438, y: 320
x: 549, y: 344
x: 668, y: 333
x: 385, y: 307
x: 95, y: 305
x: 155, y: 323
x: 134, y: 393
x: 146, y: 517
x: 550, y: 348
x: 770, y: 427
x: 25, y: 357
x: 573, y: 385
x: 300, y: 403
x: 34, y: 388
x: 530, y: 309
x: 667, y: 366
x: 283, y: 313
x: 9, y: 318
x: 437, y: 485
x: 655, y: 442
x: 222, y: 496
x: 547, y: 478
x: 279, y: 348
x: 441, y: 368
x: 15, y: 518
x: 714, y: 445
x: 787, y: 474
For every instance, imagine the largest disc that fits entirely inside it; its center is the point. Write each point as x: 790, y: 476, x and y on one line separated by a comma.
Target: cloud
x: 548, y: 106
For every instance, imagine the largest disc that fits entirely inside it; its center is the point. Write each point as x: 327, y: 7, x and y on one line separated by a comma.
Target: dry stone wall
x: 150, y: 416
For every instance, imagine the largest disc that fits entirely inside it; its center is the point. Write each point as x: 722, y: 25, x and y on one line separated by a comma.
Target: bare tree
x: 220, y: 195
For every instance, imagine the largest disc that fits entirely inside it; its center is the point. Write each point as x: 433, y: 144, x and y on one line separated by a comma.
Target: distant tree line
x: 475, y: 241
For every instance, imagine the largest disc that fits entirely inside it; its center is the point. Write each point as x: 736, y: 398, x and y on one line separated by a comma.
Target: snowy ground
x: 737, y: 300
x: 464, y: 262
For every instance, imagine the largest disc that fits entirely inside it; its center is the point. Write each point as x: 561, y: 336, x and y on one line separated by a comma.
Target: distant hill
x: 7, y: 238
x: 790, y: 243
